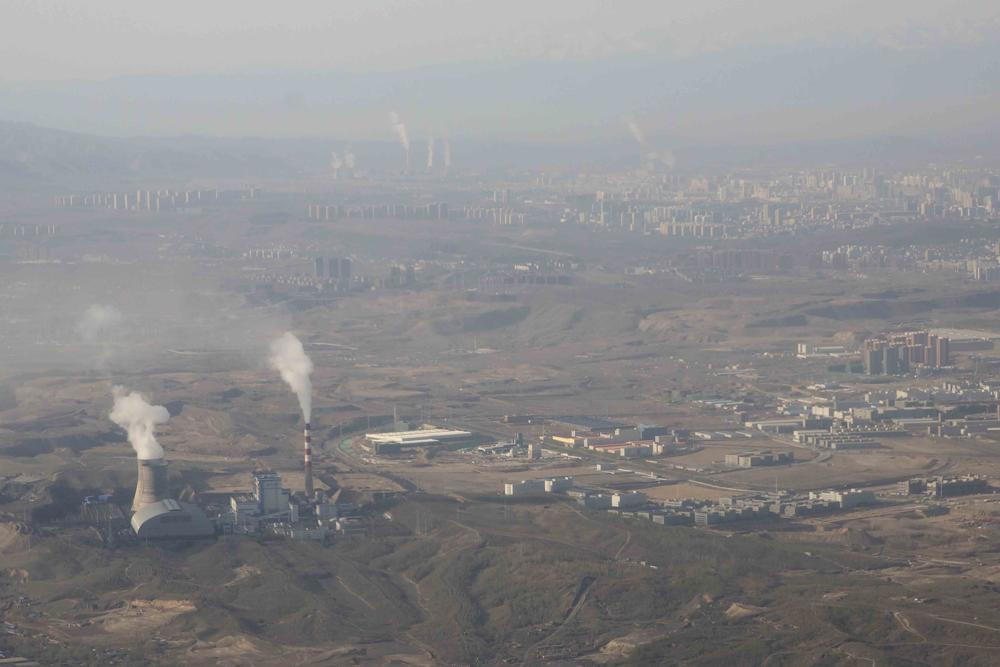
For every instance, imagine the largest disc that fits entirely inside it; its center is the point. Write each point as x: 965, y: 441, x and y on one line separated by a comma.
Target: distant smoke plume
x: 335, y: 161
x: 636, y: 131
x: 430, y: 153
x: 650, y: 156
x: 348, y: 158
x: 289, y: 358
x: 134, y: 414
x: 98, y: 322
x: 447, y: 153
x: 400, y: 129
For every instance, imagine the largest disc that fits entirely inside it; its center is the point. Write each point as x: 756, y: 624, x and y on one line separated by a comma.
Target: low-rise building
x: 524, y: 487
x: 558, y: 484
x: 628, y: 499
x: 845, y: 499
x: 760, y: 458
x: 597, y: 501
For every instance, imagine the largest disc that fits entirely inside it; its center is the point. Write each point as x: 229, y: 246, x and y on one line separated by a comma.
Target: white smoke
x: 633, y: 127
x: 400, y: 129
x: 335, y: 161
x: 430, y: 153
x: 133, y: 413
x: 98, y: 322
x: 651, y: 156
x: 348, y: 158
x: 289, y: 358
x: 447, y: 153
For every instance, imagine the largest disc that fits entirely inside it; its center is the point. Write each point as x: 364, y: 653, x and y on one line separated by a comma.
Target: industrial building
x: 628, y: 499
x: 269, y: 507
x: 943, y: 487
x: 558, y: 484
x: 598, y: 501
x: 524, y: 487
x: 167, y: 518
x: 420, y: 438
x: 844, y: 499
x: 761, y: 458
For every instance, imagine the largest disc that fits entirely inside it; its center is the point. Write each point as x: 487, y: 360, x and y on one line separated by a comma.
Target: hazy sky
x: 707, y: 71
x: 67, y: 39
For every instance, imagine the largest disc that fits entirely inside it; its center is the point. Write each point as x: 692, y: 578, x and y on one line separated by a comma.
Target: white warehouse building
x: 422, y: 437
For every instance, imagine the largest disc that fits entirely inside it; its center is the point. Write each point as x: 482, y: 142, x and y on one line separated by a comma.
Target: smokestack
x: 307, y: 452
x: 289, y: 358
x: 151, y: 485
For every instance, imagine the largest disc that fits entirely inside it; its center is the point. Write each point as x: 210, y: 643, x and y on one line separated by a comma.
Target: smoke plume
x: 430, y: 153
x: 133, y: 413
x: 400, y: 129
x: 447, y: 153
x: 651, y: 156
x: 633, y: 127
x: 98, y: 322
x: 289, y: 358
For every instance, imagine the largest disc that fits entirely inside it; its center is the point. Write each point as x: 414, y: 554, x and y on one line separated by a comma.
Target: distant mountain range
x: 739, y: 97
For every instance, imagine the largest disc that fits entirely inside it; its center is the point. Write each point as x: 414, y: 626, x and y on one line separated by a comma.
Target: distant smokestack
x: 430, y: 153
x: 151, y: 486
x: 307, y: 453
x: 335, y: 164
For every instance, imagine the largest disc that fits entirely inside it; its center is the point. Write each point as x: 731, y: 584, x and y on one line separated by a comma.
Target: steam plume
x: 98, y: 322
x: 636, y: 131
x: 400, y: 129
x: 133, y: 413
x: 289, y: 358
x: 650, y: 156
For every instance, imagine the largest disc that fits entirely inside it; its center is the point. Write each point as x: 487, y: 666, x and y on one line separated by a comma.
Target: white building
x: 422, y: 437
x: 847, y: 499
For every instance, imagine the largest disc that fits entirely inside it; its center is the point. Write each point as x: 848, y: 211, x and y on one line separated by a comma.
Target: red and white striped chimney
x: 308, y: 461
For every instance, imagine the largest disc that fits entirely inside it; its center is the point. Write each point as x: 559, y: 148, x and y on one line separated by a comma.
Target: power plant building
x: 168, y: 518
x: 271, y: 498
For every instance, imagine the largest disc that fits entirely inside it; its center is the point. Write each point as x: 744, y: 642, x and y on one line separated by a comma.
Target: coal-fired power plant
x: 152, y: 484
x: 307, y: 462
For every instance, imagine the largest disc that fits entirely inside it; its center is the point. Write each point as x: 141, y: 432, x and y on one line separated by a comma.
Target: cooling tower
x: 152, y: 483
x: 308, y: 462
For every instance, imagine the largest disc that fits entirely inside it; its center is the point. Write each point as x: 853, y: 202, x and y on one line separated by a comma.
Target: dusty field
x: 685, y: 490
